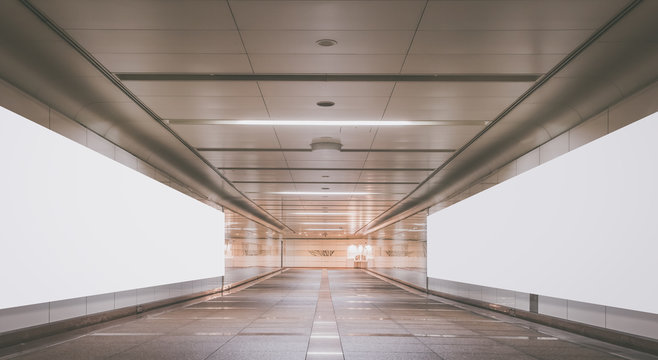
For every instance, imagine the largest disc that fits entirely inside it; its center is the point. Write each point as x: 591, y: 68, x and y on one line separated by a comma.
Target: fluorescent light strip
x: 320, y: 193
x: 325, y: 122
x: 320, y: 213
x: 324, y: 223
x: 324, y: 229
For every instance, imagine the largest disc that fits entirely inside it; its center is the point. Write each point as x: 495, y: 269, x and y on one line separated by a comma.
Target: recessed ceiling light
x: 326, y: 42
x: 325, y: 103
x: 321, y: 193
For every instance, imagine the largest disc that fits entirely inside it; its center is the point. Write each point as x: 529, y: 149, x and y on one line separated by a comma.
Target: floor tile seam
x: 479, y: 334
x: 529, y: 326
x: 405, y: 328
x: 148, y: 341
x: 326, y: 281
x: 251, y: 322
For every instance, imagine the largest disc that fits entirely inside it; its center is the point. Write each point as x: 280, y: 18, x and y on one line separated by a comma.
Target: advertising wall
x: 75, y: 223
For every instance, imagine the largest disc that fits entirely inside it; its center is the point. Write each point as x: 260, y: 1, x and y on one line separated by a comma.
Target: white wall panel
x: 75, y: 223
x: 582, y: 226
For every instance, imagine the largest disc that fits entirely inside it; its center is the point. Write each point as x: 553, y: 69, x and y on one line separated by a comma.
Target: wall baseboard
x: 630, y: 341
x: 20, y: 336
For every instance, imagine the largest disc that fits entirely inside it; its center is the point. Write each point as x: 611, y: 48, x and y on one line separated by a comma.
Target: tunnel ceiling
x: 450, y: 69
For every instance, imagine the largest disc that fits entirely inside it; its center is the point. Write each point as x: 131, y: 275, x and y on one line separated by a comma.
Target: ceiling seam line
x: 413, y: 37
x: 117, y: 82
x: 539, y: 83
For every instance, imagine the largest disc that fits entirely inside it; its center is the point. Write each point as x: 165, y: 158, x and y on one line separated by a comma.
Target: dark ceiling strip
x: 538, y: 84
x: 330, y: 77
x: 116, y: 81
x: 324, y: 169
x: 327, y: 182
x: 309, y: 150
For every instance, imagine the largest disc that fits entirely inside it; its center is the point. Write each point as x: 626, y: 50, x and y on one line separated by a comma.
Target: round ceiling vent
x: 326, y: 144
x: 325, y: 103
x: 326, y: 42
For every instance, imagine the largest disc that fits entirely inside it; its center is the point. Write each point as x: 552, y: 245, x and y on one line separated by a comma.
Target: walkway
x: 320, y: 314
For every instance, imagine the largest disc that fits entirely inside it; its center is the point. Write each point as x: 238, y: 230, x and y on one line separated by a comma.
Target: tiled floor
x: 414, y: 276
x: 326, y: 314
x: 236, y: 274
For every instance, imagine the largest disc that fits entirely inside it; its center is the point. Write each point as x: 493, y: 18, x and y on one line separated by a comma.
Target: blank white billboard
x: 75, y: 223
x: 583, y: 226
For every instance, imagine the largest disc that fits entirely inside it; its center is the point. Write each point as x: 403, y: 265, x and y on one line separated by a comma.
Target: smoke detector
x: 326, y: 144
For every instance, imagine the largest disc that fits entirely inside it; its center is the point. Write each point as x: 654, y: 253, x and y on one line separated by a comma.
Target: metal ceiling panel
x: 460, y: 89
x: 519, y: 15
x: 325, y: 88
x: 324, y: 157
x: 497, y: 42
x: 193, y: 88
x: 447, y: 108
x: 305, y: 108
x: 424, y: 137
x: 391, y: 190
x: 325, y: 164
x: 325, y: 187
x: 480, y: 63
x: 220, y: 157
x: 259, y: 175
x: 330, y: 63
x: 326, y: 175
x: 348, y: 42
x: 404, y: 157
x: 327, y: 15
x: 159, y: 41
x: 352, y: 137
x: 415, y: 176
x: 250, y: 163
x: 266, y: 188
x: 139, y: 14
x: 230, y: 136
x: 207, y: 107
x: 183, y: 63
x: 385, y: 163
x: 371, y: 114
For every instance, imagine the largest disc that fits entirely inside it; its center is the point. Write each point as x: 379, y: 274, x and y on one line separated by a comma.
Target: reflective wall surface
x: 250, y: 249
x: 400, y: 250
x: 318, y: 252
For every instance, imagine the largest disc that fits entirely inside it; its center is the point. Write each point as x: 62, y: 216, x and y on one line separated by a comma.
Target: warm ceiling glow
x: 321, y: 193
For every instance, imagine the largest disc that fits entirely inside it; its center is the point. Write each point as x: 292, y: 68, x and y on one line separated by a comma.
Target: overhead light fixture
x: 321, y: 213
x: 325, y: 103
x: 326, y: 143
x: 324, y: 223
x: 324, y: 229
x: 326, y: 122
x: 329, y: 122
x: 326, y: 42
x: 321, y: 193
